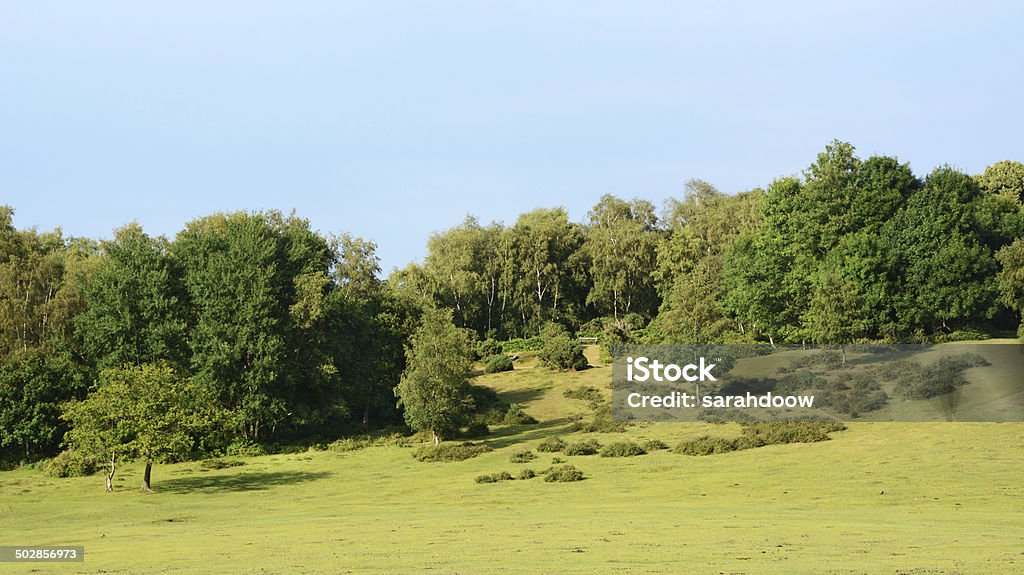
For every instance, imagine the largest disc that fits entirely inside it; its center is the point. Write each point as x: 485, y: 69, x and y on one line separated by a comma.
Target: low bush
x: 561, y: 351
x: 551, y: 445
x: 477, y: 429
x: 622, y: 449
x: 585, y: 393
x: 562, y: 474
x: 527, y: 474
x: 522, y: 457
x: 245, y: 448
x: 450, y: 451
x: 602, y: 422
x: 516, y: 416
x: 71, y: 464
x: 654, y: 445
x: 759, y: 434
x: 494, y: 477
x: 487, y: 348
x: 519, y: 345
x: 497, y: 363
x: 214, y: 464
x: 585, y: 447
x: 557, y: 460
x: 706, y: 445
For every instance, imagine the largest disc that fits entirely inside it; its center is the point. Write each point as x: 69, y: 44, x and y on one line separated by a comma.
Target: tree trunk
x: 366, y: 416
x: 146, y: 476
x: 437, y: 440
x: 110, y: 475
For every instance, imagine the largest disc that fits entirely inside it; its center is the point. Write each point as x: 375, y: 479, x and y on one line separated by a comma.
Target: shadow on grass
x: 246, y: 481
x: 517, y: 434
x: 523, y: 395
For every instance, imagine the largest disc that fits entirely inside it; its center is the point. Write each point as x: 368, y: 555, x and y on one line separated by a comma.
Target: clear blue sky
x: 395, y: 119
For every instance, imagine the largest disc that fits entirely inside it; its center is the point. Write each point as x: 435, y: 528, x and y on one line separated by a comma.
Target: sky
x: 392, y: 120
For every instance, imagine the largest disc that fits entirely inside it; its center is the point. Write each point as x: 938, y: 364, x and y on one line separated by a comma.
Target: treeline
x: 852, y: 249
x: 290, y: 334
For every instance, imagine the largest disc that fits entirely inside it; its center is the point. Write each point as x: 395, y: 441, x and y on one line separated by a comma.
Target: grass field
x: 887, y: 498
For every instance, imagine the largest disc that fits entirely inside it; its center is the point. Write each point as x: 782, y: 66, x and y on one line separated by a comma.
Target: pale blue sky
x: 395, y: 119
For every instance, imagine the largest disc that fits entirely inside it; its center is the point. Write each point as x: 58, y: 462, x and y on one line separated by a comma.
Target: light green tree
x: 434, y: 389
x: 149, y: 412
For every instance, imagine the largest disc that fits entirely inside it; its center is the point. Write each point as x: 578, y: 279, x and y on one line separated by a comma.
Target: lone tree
x: 149, y: 412
x: 434, y: 390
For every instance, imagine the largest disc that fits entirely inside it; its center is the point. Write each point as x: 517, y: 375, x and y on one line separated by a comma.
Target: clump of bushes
x: 622, y: 449
x: 551, y: 445
x: 362, y: 441
x: 585, y: 447
x: 71, y: 464
x: 602, y: 422
x: 562, y: 474
x: 494, y: 477
x: 560, y: 351
x: 497, y: 363
x: 853, y: 394
x: 213, y: 464
x: 477, y: 429
x: 450, y: 451
x: 516, y: 416
x: 522, y: 457
x: 245, y: 448
x: 759, y: 434
x: 487, y: 348
x: 527, y: 473
x: 654, y: 445
x: 916, y: 382
x: 585, y: 393
x: 519, y: 345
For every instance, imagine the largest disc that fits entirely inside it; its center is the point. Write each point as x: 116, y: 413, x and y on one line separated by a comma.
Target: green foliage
x: 585, y: 447
x: 585, y: 393
x: 563, y: 474
x: 242, y: 447
x: 520, y: 345
x: 915, y: 381
x: 71, y: 463
x: 516, y: 416
x: 497, y: 363
x: 601, y: 422
x: 622, y: 449
x: 149, y: 412
x: 654, y: 445
x: 526, y: 473
x: 494, y: 477
x: 488, y: 348
x: 560, y: 351
x: 760, y: 434
x: 434, y: 390
x: 551, y: 445
x: 450, y: 451
x: 32, y: 387
x: 522, y: 457
x: 853, y: 394
x: 477, y: 429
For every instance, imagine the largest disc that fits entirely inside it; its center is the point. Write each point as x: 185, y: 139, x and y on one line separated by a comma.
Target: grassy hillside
x: 914, y: 498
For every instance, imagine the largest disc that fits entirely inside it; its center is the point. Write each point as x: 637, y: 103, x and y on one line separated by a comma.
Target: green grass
x: 887, y: 498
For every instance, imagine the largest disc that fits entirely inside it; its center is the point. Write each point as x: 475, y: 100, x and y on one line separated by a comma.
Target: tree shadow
x: 523, y: 395
x: 246, y: 481
x: 522, y: 433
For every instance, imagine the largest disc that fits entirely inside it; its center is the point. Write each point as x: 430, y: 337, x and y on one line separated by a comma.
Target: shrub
x: 348, y: 444
x: 564, y: 473
x: 654, y: 445
x: 585, y: 447
x: 779, y: 432
x: 622, y: 449
x: 557, y: 460
x: 516, y: 416
x: 527, y: 474
x: 551, y: 445
x: 245, y: 448
x: 705, y: 445
x: 520, y: 345
x: 522, y: 457
x: 602, y: 422
x: 494, y: 477
x: 450, y: 451
x: 585, y: 393
x: 488, y: 348
x: 477, y: 429
x: 71, y: 464
x: 561, y: 351
x: 212, y: 464
x: 497, y: 364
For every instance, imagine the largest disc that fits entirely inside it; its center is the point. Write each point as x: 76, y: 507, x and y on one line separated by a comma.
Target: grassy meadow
x: 892, y: 498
